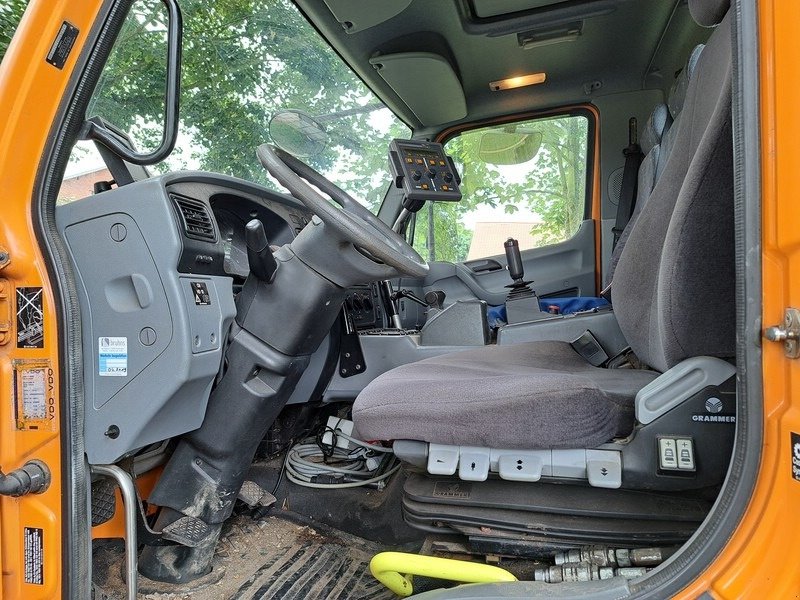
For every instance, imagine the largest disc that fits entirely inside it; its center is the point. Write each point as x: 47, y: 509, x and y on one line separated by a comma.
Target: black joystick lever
x: 519, y: 288
x: 259, y: 254
x: 514, y: 259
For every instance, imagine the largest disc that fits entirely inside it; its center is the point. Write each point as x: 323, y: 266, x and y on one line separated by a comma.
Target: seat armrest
x: 566, y: 328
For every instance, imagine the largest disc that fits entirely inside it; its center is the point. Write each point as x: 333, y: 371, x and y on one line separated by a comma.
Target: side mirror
x: 509, y: 148
x: 298, y: 133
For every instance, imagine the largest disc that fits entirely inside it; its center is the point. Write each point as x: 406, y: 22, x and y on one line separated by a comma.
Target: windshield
x: 244, y: 61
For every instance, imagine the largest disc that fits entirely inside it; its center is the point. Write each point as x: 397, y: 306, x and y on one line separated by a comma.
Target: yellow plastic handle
x: 395, y: 571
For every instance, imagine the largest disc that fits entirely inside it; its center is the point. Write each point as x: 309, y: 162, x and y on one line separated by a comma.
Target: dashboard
x: 235, y: 202
x: 158, y: 265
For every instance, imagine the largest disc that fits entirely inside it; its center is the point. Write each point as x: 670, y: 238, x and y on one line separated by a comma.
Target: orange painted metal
x: 597, y: 205
x: 30, y: 91
x: 760, y: 561
x: 115, y: 527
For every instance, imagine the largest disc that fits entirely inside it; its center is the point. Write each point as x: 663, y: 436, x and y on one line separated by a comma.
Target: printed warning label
x: 34, y: 395
x: 200, y: 292
x: 30, y: 318
x: 113, y: 356
x: 34, y: 556
x: 796, y: 456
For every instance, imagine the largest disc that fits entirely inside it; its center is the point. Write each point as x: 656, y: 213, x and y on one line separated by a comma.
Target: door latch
x: 788, y: 333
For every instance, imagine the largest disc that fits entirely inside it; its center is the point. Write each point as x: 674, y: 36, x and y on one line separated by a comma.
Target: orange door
x: 31, y: 89
x: 760, y: 561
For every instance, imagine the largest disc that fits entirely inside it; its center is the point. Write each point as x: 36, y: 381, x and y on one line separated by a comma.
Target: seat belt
x: 630, y: 178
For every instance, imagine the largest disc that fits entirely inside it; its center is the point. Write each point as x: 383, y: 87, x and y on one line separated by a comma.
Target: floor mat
x: 279, y: 557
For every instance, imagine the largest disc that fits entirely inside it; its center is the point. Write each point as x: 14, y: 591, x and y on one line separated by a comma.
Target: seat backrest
x: 673, y: 290
x: 676, y: 98
x: 650, y: 143
x: 656, y: 142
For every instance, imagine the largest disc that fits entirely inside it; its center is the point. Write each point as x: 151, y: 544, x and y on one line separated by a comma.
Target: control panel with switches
x: 601, y: 468
x: 675, y: 455
x: 364, y: 306
x: 424, y: 171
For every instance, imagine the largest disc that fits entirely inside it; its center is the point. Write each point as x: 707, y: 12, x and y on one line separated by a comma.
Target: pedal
x: 187, y: 531
x: 104, y: 501
x: 254, y: 495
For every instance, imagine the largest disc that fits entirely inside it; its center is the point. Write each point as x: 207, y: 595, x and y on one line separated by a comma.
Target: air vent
x: 195, y: 218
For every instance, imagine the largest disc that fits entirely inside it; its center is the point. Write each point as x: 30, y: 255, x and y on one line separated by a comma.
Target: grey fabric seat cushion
x: 533, y: 395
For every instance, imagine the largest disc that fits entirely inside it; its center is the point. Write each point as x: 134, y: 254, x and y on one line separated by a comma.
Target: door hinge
x: 5, y: 312
x: 788, y: 333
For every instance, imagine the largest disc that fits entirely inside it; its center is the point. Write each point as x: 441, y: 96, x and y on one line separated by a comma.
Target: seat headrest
x: 708, y: 13
x: 677, y: 93
x: 655, y: 127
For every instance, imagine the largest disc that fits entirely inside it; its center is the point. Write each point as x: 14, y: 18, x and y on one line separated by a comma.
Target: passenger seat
x: 656, y: 143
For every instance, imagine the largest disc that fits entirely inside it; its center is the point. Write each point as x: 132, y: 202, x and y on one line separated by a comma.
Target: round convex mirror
x: 298, y: 133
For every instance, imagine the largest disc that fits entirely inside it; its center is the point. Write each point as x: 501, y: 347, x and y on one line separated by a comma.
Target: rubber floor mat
x: 277, y: 558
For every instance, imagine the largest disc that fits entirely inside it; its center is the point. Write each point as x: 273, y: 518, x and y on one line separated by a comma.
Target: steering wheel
x: 352, y: 222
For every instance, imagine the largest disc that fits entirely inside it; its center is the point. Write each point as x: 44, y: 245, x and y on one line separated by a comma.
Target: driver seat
x: 673, y: 296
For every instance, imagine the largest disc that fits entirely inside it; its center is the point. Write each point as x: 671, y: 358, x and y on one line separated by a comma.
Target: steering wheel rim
x: 352, y: 222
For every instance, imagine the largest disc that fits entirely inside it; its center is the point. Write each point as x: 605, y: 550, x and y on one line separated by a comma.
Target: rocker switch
x: 520, y: 467
x: 604, y: 468
x: 667, y: 454
x: 474, y: 463
x: 442, y: 459
x: 685, y: 453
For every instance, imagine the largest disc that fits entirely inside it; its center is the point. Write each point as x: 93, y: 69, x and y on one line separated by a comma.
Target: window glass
x: 244, y: 61
x: 525, y: 180
x: 10, y: 15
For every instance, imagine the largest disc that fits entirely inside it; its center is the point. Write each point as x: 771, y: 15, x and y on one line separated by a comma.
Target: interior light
x: 516, y: 82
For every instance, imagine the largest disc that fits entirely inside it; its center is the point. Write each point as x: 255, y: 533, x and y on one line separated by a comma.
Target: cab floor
x: 280, y: 557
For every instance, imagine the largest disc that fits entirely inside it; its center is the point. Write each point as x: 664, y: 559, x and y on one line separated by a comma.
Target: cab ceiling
x: 620, y: 45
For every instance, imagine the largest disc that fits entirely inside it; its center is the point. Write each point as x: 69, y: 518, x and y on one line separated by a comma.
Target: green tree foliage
x: 10, y: 15
x: 244, y: 60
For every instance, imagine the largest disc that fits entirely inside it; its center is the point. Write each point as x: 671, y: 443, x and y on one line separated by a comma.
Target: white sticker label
x: 113, y: 356
x: 34, y: 398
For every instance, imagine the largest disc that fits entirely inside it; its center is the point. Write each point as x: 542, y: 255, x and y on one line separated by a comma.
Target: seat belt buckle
x: 590, y: 349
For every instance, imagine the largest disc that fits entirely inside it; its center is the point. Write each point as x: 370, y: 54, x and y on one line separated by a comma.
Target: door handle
x: 483, y: 266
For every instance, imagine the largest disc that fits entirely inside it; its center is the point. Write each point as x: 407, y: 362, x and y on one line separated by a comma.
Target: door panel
x: 560, y: 269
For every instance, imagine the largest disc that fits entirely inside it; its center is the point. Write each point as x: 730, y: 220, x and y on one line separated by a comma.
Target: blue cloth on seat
x: 496, y: 315
x: 567, y: 306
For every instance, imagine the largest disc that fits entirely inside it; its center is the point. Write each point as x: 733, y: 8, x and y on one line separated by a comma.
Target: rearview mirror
x: 298, y: 133
x: 509, y: 148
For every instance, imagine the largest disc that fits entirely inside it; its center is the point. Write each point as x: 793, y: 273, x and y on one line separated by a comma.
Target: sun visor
x: 492, y: 8
x: 426, y: 83
x: 357, y: 15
